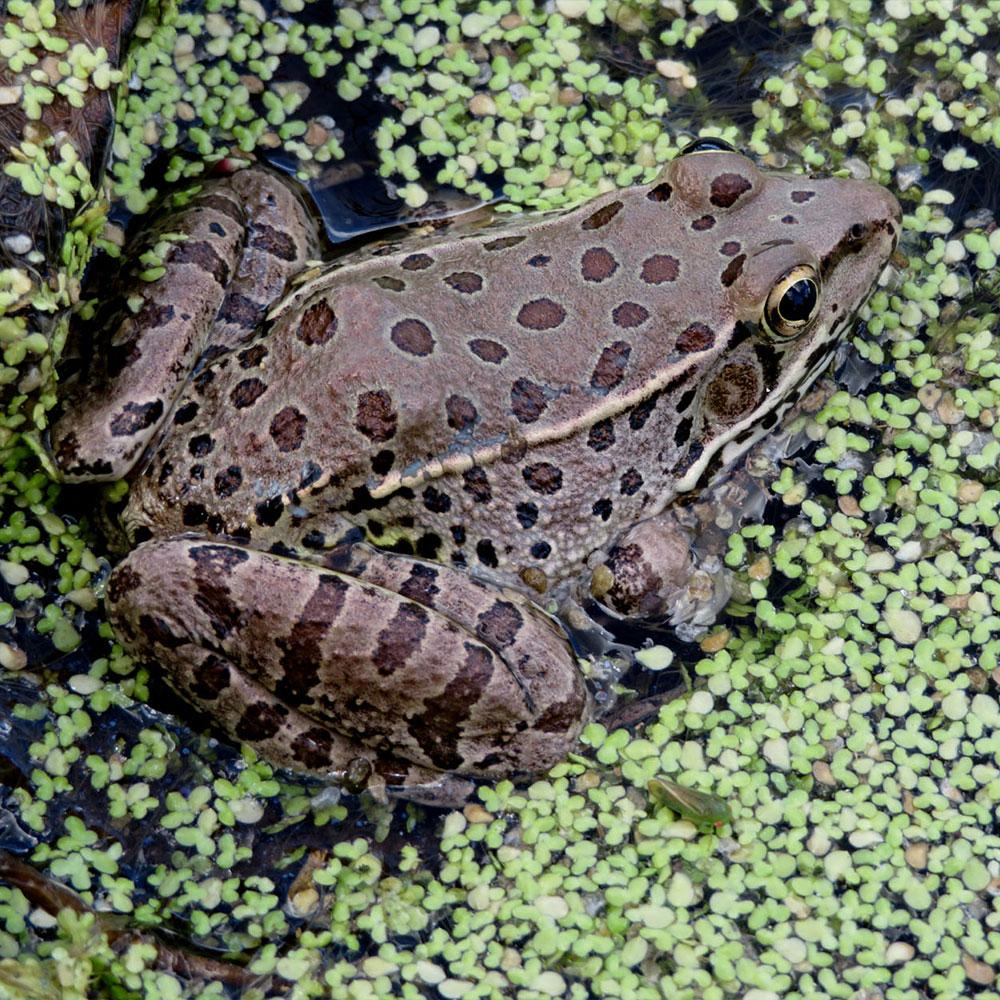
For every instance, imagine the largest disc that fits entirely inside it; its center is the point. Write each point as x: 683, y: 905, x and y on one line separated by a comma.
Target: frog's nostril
x: 858, y: 231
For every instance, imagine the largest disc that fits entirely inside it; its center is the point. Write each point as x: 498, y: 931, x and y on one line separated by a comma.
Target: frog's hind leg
x: 414, y: 666
x: 222, y: 258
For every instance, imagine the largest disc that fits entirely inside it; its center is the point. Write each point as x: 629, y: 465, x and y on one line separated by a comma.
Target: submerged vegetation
x: 847, y: 711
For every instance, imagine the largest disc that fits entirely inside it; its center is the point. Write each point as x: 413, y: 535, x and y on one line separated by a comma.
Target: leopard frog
x: 506, y: 413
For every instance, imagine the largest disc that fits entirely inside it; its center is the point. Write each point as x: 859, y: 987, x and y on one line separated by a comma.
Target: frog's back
x: 390, y: 369
x: 554, y: 364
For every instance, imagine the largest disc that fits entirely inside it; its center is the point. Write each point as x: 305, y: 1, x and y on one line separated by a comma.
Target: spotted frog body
x: 514, y: 407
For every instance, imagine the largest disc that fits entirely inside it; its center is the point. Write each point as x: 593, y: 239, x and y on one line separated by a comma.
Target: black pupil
x: 799, y: 301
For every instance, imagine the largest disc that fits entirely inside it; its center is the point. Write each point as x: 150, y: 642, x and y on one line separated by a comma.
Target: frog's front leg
x: 654, y: 572
x: 393, y: 660
x: 224, y: 257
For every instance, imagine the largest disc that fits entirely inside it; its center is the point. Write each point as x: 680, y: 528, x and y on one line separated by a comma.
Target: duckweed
x: 848, y: 711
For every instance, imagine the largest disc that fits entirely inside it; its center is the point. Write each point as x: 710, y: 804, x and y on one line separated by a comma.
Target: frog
x: 358, y: 487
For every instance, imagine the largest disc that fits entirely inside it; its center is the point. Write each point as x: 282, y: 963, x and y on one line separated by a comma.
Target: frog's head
x: 793, y: 257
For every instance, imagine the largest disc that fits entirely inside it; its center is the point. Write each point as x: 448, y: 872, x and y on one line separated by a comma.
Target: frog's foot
x: 224, y: 256
x: 415, y: 667
x: 655, y: 573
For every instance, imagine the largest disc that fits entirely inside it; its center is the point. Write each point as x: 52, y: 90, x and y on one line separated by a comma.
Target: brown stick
x: 53, y: 896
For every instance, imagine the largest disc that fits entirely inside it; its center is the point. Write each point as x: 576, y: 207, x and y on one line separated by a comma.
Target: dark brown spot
x: 543, y: 477
x: 499, y: 624
x: 682, y: 432
x: 260, y: 721
x: 629, y: 314
x: 201, y: 254
x: 802, y: 196
x: 413, y: 336
x: 659, y: 268
x: 728, y: 188
x: 268, y: 512
x: 213, y: 571
x: 302, y: 653
x: 312, y: 749
x: 539, y: 260
x: 702, y: 223
x: 436, y: 501
x: 247, y: 392
x: 421, y: 585
x: 504, y: 242
x: 135, y: 417
x: 661, y: 192
x: 461, y: 412
x: 123, y: 582
x: 217, y: 560
x: 477, y: 485
x: 488, y: 350
x: 439, y: 727
x: 527, y: 400
x: 486, y: 554
x: 602, y: 509
x: 376, y: 418
x: 597, y: 264
x: 630, y: 482
x: 383, y: 461
x: 193, y: 514
x: 729, y: 248
x: 601, y: 436
x: 602, y: 216
x: 200, y: 445
x: 274, y: 242
x: 562, y: 716
x: 241, y: 310
x: 428, y: 545
x: 389, y: 283
x: 228, y: 481
x: 513, y: 449
x: 697, y: 337
x: 527, y: 514
x: 252, y: 356
x: 400, y: 638
x: 541, y: 314
x: 318, y: 324
x: 610, y: 368
x: 541, y: 550
x: 465, y: 281
x: 288, y: 428
x: 733, y: 269
x: 416, y: 262
x: 640, y: 413
x: 210, y: 678
x: 733, y: 392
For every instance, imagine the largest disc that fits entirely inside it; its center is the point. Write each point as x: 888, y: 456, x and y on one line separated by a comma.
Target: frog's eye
x: 707, y: 144
x: 792, y: 302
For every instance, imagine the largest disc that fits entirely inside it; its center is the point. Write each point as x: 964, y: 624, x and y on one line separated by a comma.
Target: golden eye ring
x: 793, y: 302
